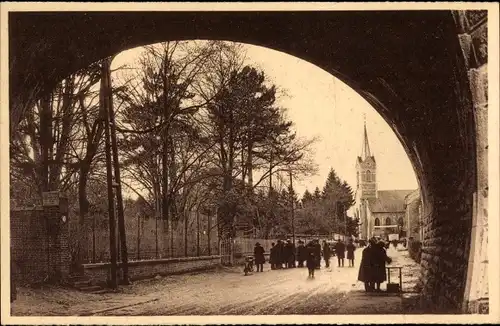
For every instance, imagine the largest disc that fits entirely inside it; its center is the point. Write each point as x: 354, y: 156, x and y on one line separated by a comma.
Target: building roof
x: 389, y: 201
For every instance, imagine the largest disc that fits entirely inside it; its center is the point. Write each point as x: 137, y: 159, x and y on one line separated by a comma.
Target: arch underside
x: 407, y: 64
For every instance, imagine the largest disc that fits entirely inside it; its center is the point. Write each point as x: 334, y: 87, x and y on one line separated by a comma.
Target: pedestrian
x: 311, y: 260
x: 279, y: 255
x: 340, y: 252
x: 326, y: 253
x: 379, y: 260
x: 258, y: 253
x: 366, y: 268
x: 350, y: 252
x: 317, y: 253
x: 290, y: 254
x: 273, y: 256
x: 301, y: 253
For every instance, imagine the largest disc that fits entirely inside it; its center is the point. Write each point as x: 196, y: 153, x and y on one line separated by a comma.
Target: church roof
x: 389, y: 201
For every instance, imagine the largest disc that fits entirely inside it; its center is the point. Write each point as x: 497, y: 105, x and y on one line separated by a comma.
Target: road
x: 334, y: 290
x: 287, y: 291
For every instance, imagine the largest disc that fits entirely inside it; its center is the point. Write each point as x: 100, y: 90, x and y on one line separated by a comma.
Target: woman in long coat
x: 273, y: 256
x: 366, y: 269
x: 259, y: 257
x: 379, y: 261
x: 350, y: 248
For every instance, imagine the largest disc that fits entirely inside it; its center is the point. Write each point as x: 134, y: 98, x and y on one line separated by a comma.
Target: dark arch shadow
x: 407, y: 64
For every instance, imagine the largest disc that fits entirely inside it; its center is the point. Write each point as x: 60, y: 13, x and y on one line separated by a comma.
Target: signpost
x: 50, y: 198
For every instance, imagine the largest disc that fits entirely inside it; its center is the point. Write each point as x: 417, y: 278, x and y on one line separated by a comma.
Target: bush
x: 415, y: 250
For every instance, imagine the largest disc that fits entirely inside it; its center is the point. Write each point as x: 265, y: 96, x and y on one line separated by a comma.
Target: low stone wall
x: 99, y: 273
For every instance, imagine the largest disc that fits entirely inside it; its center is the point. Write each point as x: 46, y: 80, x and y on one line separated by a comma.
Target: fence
x: 149, y: 238
x: 245, y: 246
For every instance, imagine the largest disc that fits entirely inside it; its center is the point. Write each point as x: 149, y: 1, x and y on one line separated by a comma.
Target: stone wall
x: 412, y: 220
x: 473, y: 36
x: 99, y: 273
x: 454, y: 246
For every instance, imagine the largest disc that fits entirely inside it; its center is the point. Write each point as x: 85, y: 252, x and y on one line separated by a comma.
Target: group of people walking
x: 372, y: 270
x: 286, y: 255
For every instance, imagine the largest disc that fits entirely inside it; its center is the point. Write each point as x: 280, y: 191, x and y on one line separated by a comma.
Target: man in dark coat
x: 326, y: 253
x: 290, y: 257
x: 279, y: 255
x: 301, y: 253
x: 273, y: 256
x: 366, y: 273
x: 287, y: 252
x: 350, y: 252
x: 311, y: 260
x: 258, y: 253
x: 340, y: 252
x: 317, y: 253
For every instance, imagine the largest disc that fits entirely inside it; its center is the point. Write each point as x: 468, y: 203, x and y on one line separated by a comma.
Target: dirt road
x: 334, y: 290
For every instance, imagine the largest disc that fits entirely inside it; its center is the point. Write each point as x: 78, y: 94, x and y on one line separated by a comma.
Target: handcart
x: 394, y: 287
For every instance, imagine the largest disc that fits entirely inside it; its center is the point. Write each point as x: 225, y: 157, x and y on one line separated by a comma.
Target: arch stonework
x: 409, y: 65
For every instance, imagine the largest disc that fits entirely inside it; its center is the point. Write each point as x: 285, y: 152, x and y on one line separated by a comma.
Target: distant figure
x: 350, y: 252
x: 340, y: 252
x: 301, y: 253
x: 395, y: 243
x: 290, y: 254
x: 273, y: 253
x: 311, y: 260
x: 317, y: 253
x: 279, y: 254
x: 258, y: 253
x: 326, y: 253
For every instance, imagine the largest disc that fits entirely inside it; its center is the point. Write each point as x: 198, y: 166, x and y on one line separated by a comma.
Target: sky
x: 323, y: 107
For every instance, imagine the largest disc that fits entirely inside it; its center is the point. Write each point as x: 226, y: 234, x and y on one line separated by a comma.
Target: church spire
x: 365, y: 151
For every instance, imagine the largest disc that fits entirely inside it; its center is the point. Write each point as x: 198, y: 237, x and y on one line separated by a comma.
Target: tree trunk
x: 45, y: 141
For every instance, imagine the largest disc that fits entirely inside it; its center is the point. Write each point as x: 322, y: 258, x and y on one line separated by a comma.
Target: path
x: 334, y: 290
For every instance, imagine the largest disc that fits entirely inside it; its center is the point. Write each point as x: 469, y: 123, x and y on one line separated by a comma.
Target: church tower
x: 366, y: 169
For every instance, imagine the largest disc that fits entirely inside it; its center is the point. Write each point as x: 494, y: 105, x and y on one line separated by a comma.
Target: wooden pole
x: 109, y: 176
x: 293, y: 209
x: 198, y: 232
x: 138, y: 236
x: 119, y: 199
x: 209, y: 226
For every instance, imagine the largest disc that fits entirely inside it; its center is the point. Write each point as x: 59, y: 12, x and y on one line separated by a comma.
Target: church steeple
x: 366, y: 170
x: 365, y: 150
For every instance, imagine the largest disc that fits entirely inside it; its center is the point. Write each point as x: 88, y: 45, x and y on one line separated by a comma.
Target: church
x: 380, y: 212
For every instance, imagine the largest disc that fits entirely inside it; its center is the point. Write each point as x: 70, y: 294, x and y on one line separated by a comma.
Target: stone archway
x: 408, y: 64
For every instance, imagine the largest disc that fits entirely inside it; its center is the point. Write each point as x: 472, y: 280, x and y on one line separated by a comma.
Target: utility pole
x: 293, y: 209
x: 118, y: 188
x: 345, y: 220
x: 270, y: 174
x: 104, y: 102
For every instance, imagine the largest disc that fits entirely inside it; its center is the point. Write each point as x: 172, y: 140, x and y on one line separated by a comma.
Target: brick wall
x: 99, y: 273
x: 39, y: 245
x: 28, y: 245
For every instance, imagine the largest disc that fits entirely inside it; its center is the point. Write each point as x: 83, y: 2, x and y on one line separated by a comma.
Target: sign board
x: 393, y: 236
x: 50, y: 198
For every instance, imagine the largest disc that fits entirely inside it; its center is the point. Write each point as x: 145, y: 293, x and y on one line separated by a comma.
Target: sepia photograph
x: 206, y: 163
